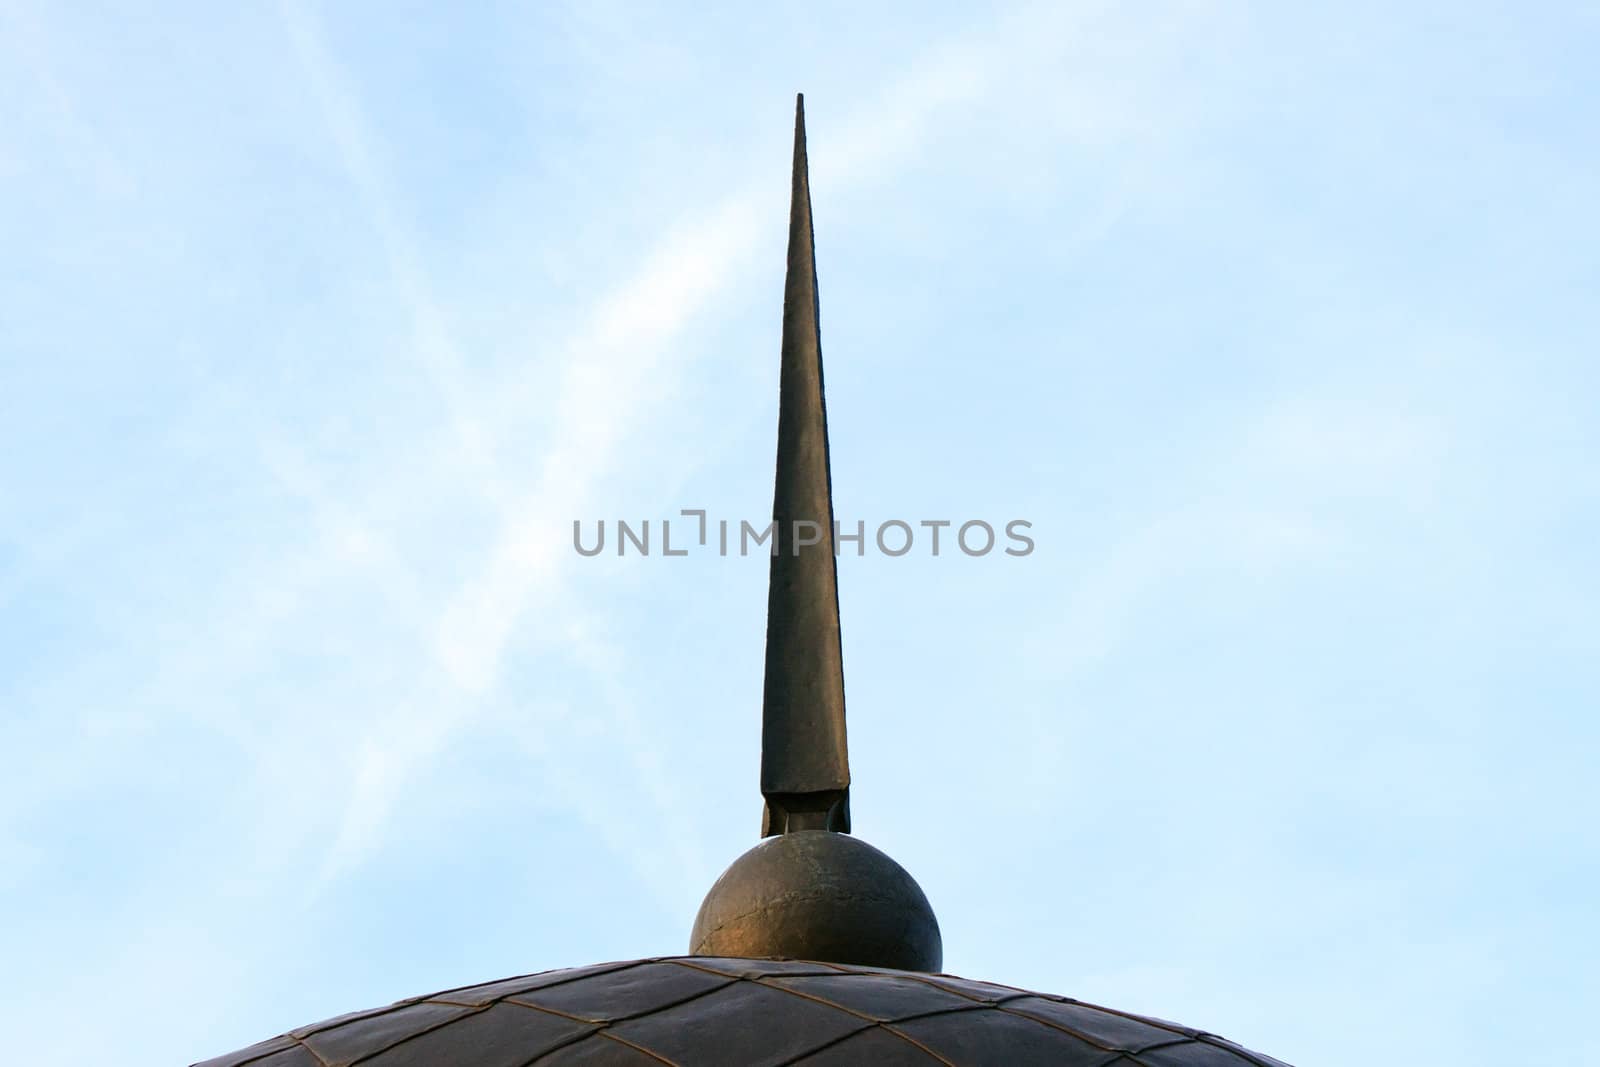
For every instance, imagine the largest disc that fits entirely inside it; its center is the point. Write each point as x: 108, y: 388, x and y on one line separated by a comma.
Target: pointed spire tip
x: 805, y: 767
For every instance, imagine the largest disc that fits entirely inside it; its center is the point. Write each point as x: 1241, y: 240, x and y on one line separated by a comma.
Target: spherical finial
x: 817, y: 895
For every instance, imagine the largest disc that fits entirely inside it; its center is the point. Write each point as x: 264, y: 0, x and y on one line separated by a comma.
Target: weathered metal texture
x: 819, y: 896
x: 708, y: 1012
x: 809, y: 891
x: 805, y: 766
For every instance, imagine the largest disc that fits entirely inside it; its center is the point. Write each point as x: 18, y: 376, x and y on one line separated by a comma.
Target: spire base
x: 785, y: 813
x: 814, y: 895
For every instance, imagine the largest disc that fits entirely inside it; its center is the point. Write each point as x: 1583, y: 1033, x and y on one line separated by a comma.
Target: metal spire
x: 805, y: 766
x: 806, y: 893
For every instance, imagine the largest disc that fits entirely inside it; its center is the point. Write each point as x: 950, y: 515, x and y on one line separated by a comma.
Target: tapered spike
x: 805, y: 765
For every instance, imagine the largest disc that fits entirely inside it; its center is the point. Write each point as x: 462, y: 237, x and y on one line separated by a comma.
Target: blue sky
x: 319, y: 324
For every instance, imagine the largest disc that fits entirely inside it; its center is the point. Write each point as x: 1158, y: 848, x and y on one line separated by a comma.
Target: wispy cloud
x: 435, y: 346
x: 625, y: 346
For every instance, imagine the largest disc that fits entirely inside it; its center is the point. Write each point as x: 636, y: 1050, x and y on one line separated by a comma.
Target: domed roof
x: 709, y: 1010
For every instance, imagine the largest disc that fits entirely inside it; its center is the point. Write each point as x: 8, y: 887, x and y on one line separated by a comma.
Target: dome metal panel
x: 697, y: 1010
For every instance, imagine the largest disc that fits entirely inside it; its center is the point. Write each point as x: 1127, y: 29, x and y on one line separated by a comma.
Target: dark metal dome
x: 708, y: 1010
